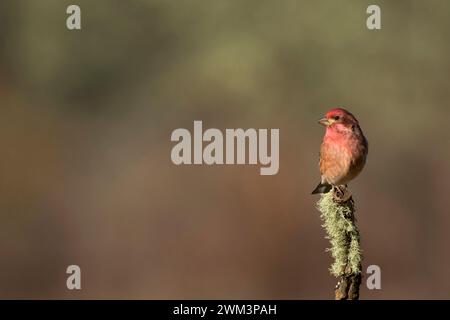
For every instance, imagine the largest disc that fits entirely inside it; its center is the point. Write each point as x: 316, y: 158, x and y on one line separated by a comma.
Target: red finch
x: 343, y: 152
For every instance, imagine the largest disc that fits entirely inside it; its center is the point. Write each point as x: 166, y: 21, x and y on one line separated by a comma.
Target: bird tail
x: 322, y: 188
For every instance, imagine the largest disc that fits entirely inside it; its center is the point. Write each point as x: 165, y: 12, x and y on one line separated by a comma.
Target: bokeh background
x: 85, y: 123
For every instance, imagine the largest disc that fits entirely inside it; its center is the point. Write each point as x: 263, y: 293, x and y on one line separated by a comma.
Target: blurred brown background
x: 85, y: 123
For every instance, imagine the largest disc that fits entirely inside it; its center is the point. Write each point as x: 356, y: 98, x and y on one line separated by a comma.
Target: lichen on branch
x: 339, y: 222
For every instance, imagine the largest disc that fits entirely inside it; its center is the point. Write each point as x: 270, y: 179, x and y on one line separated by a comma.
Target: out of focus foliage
x: 85, y: 121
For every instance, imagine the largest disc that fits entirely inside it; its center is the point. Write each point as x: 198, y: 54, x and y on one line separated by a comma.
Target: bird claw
x: 341, y: 193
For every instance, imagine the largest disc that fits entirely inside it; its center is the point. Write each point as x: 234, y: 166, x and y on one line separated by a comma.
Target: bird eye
x: 336, y: 117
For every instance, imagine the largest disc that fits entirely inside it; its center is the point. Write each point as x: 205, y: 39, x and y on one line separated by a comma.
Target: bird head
x: 338, y: 117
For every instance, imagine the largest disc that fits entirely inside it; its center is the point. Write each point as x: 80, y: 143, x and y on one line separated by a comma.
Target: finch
x: 343, y: 151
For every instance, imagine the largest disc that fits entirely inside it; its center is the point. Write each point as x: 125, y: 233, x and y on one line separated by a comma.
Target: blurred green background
x: 85, y: 123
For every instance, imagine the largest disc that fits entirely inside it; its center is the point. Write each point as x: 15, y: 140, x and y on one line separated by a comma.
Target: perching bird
x: 343, y: 152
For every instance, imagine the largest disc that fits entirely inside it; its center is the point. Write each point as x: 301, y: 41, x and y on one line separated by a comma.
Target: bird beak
x: 324, y: 121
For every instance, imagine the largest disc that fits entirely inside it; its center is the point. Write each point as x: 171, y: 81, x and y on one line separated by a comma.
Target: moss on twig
x: 340, y: 224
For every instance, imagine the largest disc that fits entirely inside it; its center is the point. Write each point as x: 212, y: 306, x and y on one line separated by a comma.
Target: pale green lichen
x: 343, y: 234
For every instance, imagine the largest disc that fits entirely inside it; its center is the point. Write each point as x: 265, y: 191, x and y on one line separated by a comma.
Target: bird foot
x: 341, y: 193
